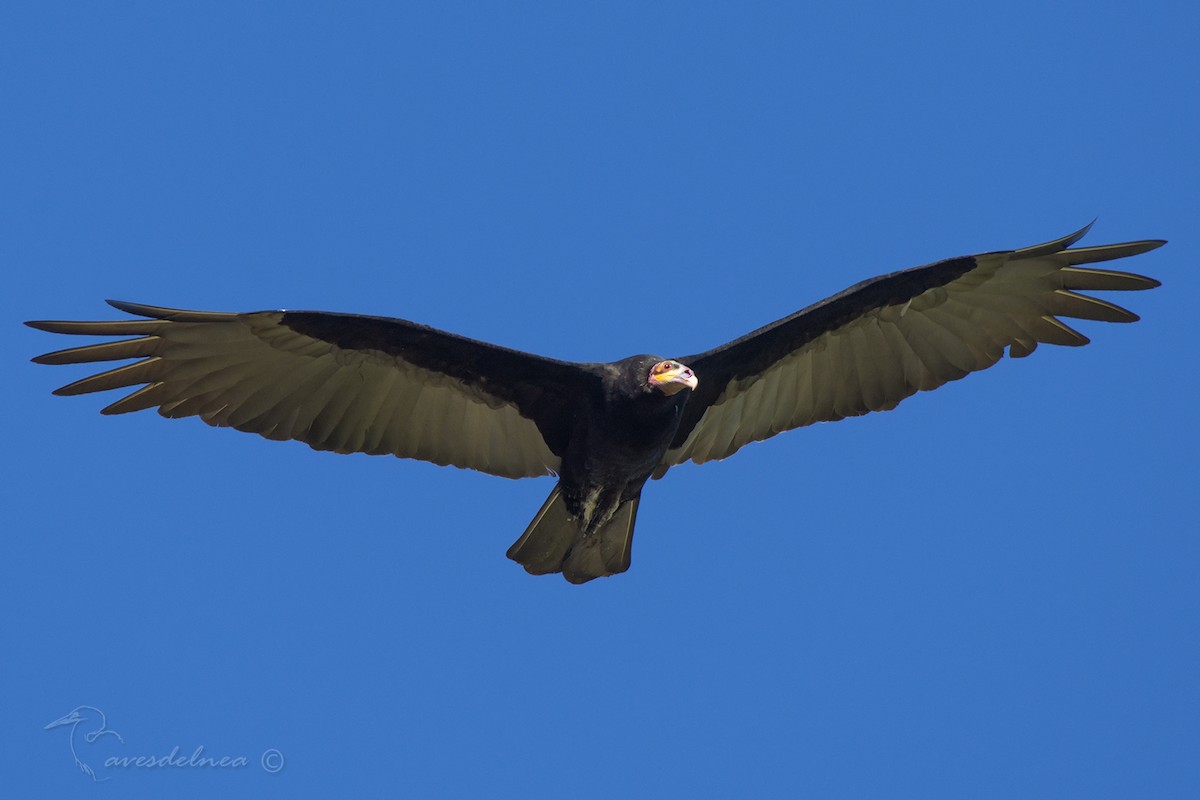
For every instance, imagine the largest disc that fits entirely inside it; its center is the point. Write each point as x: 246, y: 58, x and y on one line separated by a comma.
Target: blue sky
x: 989, y: 592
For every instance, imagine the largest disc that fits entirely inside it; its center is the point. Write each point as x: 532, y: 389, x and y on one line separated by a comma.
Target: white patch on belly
x: 589, y: 505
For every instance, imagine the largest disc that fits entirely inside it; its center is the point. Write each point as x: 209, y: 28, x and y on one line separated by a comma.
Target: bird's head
x: 70, y: 719
x: 670, y: 377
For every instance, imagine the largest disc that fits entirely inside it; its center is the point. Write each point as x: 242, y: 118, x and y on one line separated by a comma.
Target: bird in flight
x: 351, y: 383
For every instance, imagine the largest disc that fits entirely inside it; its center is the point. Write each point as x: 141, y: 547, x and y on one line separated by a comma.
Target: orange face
x: 670, y: 377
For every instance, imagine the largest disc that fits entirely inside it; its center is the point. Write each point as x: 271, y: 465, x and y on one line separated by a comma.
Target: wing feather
x: 878, y: 369
x: 873, y: 345
x: 846, y: 388
x: 338, y: 382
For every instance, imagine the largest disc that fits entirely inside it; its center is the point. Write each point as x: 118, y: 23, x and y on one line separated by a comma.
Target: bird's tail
x: 554, y: 542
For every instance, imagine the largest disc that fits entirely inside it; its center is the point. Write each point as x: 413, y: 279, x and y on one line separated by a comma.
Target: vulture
x: 366, y: 384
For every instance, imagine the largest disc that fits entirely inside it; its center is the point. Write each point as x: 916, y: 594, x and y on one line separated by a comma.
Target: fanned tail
x: 553, y: 542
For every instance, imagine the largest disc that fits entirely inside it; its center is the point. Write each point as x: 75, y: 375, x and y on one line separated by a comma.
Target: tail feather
x: 553, y: 542
x: 605, y: 552
x: 545, y: 543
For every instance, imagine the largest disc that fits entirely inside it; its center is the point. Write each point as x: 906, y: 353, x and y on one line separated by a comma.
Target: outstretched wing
x: 873, y: 345
x: 339, y: 382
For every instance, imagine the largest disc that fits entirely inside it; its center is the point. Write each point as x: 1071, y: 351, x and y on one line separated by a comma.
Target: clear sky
x: 989, y: 592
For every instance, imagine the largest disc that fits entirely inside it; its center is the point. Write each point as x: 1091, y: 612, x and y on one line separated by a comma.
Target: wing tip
x: 142, y: 310
x: 1063, y: 243
x: 1079, y: 234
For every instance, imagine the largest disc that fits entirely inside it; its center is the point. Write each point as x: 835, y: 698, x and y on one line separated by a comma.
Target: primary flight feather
x: 351, y: 383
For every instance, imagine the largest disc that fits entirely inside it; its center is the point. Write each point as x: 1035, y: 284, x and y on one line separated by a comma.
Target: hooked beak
x: 675, y: 379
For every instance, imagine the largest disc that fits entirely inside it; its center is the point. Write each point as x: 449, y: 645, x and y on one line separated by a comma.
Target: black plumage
x: 350, y: 383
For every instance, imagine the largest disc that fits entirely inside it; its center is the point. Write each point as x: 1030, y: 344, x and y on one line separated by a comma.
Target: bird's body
x: 619, y: 439
x: 621, y: 433
x: 378, y: 385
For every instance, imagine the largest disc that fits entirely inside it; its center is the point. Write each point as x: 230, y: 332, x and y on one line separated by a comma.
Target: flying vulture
x: 377, y: 385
